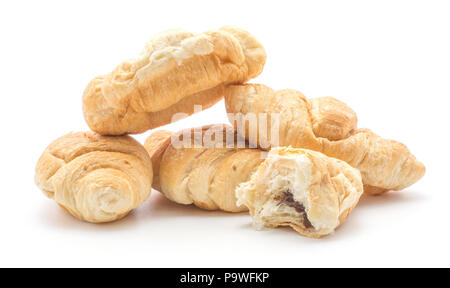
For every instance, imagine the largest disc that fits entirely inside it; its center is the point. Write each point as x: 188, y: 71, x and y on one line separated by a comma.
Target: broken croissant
x: 175, y: 71
x: 194, y: 171
x: 95, y: 178
x: 325, y: 125
x: 307, y: 190
x: 303, y: 189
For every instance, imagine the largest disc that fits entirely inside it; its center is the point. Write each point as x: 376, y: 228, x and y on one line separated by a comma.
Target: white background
x: 388, y: 60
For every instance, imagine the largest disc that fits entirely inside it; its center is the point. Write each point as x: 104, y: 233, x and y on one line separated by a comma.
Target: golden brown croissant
x: 205, y: 175
x: 303, y: 189
x: 95, y: 178
x: 325, y: 125
x: 174, y: 72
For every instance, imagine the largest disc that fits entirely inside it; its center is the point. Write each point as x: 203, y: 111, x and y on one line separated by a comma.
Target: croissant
x: 200, y: 173
x: 325, y: 125
x: 303, y: 189
x: 176, y: 71
x: 95, y: 178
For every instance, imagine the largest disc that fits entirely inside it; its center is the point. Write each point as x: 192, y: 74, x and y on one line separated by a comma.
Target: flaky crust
x: 174, y: 72
x: 328, y: 126
x: 156, y: 144
x: 95, y: 178
x: 334, y: 190
x: 204, y: 176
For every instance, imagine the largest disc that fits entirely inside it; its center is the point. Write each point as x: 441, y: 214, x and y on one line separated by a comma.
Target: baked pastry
x: 303, y: 189
x: 190, y: 170
x: 325, y: 125
x: 95, y: 178
x: 175, y: 71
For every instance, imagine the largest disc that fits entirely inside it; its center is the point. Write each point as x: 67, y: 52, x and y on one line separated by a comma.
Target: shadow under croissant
x: 375, y: 203
x: 57, y: 217
x: 157, y: 206
x: 390, y: 198
x: 161, y: 207
x: 354, y: 224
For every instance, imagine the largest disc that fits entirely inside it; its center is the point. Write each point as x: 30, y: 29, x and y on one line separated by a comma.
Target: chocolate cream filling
x: 288, y: 199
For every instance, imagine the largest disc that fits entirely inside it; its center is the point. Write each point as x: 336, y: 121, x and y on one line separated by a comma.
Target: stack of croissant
x: 309, y: 175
